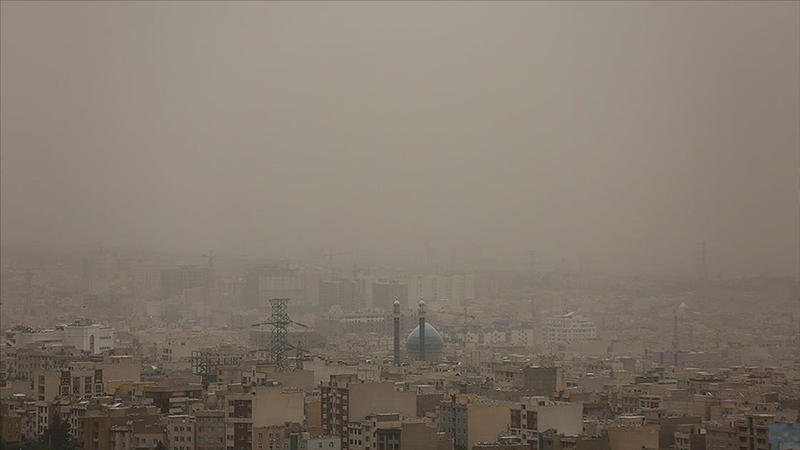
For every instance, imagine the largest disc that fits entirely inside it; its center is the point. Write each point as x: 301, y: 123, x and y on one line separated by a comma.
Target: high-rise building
x: 173, y: 280
x: 342, y: 293
x: 385, y: 293
x: 267, y: 281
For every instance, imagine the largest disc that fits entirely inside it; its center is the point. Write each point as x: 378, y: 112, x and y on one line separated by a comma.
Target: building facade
x: 568, y: 328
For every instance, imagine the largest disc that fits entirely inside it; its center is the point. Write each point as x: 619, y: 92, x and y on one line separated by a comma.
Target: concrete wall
x: 301, y: 379
x: 272, y: 406
x: 417, y: 436
x: 669, y: 425
x: 314, y: 411
x: 486, y: 420
x: 366, y: 398
x: 634, y: 438
x: 567, y: 419
x: 122, y: 368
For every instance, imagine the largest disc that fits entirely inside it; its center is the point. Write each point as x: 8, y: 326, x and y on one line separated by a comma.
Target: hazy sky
x: 627, y: 132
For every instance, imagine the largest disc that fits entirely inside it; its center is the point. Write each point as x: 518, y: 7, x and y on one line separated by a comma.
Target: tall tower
x: 422, y: 309
x: 675, y: 336
x: 279, y: 345
x: 396, y: 332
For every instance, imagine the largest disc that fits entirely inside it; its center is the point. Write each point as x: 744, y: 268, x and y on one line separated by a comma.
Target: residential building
x: 267, y: 281
x: 48, y: 385
x: 721, y: 436
x: 389, y: 431
x: 568, y: 328
x: 173, y: 396
x: 173, y: 280
x: 468, y: 419
x: 255, y: 407
x: 345, y: 294
x: 543, y: 381
x: 345, y: 399
x: 531, y: 416
x: 689, y: 437
x: 107, y: 426
x: 210, y: 434
x: 752, y: 431
x: 633, y: 433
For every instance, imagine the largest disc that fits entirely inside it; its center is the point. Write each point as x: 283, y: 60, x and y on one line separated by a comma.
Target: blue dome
x: 433, y: 344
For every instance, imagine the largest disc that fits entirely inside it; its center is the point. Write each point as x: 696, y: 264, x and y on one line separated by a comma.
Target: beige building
x: 346, y: 399
x: 468, y: 419
x: 259, y: 407
x: 48, y: 385
x: 210, y: 433
x: 534, y: 415
x: 181, y: 432
x: 388, y: 431
x: 632, y: 433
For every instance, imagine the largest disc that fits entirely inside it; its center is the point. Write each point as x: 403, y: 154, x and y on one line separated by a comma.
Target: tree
x: 57, y: 435
x: 161, y: 446
x: 27, y: 445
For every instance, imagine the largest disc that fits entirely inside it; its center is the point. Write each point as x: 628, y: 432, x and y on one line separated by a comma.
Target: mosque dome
x: 433, y: 344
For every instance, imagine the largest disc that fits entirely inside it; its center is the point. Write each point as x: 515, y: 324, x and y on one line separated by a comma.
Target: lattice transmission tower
x: 279, y: 345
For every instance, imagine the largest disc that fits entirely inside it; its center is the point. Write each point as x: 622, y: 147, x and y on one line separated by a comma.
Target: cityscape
x: 400, y: 226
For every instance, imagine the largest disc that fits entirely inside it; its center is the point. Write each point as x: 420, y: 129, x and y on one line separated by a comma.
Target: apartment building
x: 568, y: 328
x: 210, y: 434
x: 345, y: 399
x: 181, y: 432
x: 468, y: 419
x: 267, y: 281
x: 249, y: 408
x: 173, y: 280
x: 752, y: 431
x: 389, y: 431
x: 531, y: 416
x: 48, y: 385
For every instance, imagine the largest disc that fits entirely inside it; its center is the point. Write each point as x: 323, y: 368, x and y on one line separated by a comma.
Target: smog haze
x: 620, y: 133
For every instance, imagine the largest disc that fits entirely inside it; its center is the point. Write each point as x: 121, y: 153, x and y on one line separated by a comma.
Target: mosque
x: 422, y: 346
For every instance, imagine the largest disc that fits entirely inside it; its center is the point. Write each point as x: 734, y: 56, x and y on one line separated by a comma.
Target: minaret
x: 675, y: 337
x: 422, y: 309
x: 396, y: 332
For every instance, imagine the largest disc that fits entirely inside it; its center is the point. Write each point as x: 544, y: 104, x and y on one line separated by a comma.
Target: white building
x: 494, y: 337
x: 87, y: 337
x: 567, y: 328
x: 92, y: 338
x: 523, y: 337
